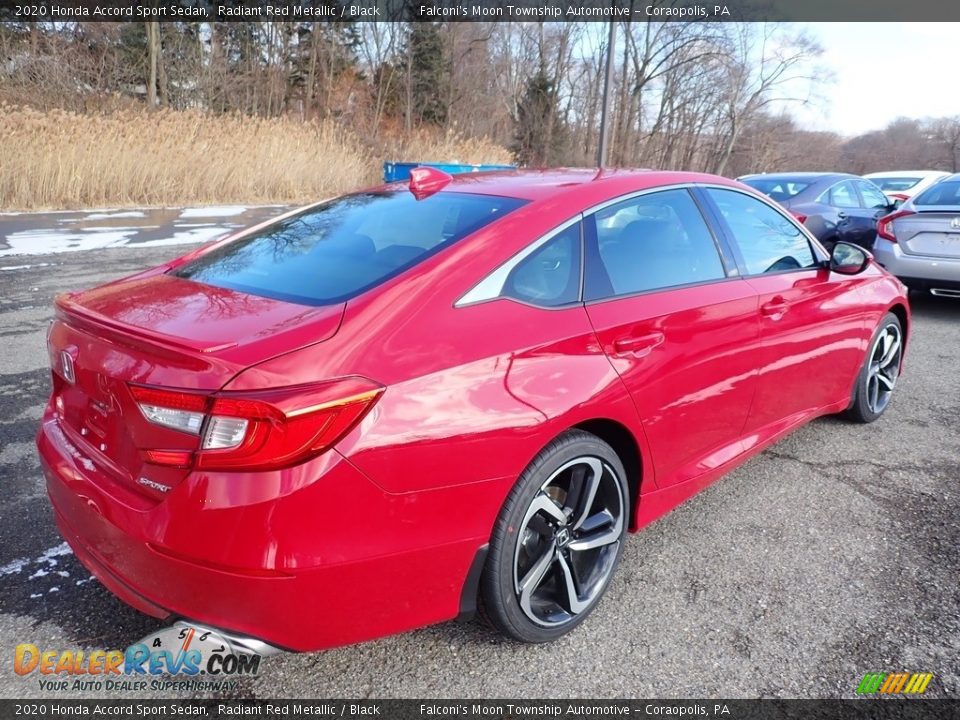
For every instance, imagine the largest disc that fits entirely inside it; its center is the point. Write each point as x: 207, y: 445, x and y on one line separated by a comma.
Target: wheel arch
x: 625, y: 445
x: 900, y: 310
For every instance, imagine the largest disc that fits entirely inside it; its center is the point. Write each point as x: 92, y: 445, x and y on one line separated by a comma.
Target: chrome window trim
x: 491, y: 287
x: 638, y: 193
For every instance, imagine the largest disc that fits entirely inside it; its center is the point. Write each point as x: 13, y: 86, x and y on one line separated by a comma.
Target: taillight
x: 801, y: 218
x: 885, y: 224
x: 172, y: 409
x: 264, y: 430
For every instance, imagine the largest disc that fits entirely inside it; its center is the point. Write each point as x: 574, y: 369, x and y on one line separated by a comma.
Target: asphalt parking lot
x: 833, y: 554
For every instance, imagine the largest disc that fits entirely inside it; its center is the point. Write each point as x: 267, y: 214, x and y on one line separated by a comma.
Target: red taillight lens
x: 174, y: 409
x: 885, y: 224
x: 801, y: 218
x: 265, y: 430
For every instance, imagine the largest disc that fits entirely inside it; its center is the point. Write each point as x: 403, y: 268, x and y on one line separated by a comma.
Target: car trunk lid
x: 166, y: 332
x: 932, y: 233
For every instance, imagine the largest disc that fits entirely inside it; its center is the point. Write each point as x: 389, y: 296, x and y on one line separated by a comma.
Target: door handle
x: 842, y: 215
x: 639, y: 345
x: 775, y: 308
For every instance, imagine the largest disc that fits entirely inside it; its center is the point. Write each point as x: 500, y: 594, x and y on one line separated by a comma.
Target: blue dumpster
x: 396, y: 171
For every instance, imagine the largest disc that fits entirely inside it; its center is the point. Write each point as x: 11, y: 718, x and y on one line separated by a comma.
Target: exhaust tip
x: 235, y: 643
x: 945, y: 292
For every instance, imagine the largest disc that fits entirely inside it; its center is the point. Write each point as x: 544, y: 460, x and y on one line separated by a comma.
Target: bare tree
x: 766, y: 63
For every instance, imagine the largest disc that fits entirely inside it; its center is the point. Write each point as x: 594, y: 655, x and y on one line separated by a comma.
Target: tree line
x: 685, y: 95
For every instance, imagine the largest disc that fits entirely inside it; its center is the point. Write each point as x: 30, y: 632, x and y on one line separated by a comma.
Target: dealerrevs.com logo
x: 181, y: 657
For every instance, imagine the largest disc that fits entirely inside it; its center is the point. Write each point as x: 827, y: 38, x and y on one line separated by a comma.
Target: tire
x: 555, y: 546
x: 878, y: 376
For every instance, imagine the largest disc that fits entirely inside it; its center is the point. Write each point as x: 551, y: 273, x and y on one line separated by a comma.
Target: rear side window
x: 778, y: 189
x: 654, y: 241
x: 768, y: 241
x: 893, y: 184
x: 335, y: 251
x: 946, y: 192
x: 550, y: 275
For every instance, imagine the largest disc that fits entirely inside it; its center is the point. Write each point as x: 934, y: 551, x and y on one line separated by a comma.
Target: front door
x: 811, y: 320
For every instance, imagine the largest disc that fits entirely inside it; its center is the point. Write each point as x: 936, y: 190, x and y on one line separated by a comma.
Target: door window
x: 654, y: 241
x: 873, y: 199
x: 767, y: 240
x: 842, y: 195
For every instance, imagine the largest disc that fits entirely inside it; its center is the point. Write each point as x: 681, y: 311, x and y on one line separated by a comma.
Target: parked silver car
x: 920, y: 242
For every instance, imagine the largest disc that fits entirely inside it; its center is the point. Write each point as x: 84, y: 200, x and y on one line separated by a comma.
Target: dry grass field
x: 64, y: 160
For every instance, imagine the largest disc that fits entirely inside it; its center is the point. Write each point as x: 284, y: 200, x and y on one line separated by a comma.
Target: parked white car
x: 901, y: 185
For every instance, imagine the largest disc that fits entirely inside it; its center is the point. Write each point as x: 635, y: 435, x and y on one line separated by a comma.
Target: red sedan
x: 367, y: 415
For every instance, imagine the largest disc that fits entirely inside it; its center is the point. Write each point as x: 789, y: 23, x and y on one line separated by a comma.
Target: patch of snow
x: 24, y: 267
x: 124, y: 214
x: 14, y: 567
x: 49, y: 557
x: 46, y: 242
x: 34, y: 596
x: 55, y: 552
x: 196, y: 235
x: 222, y: 211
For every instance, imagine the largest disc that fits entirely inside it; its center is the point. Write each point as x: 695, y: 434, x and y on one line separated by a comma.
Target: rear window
x: 337, y: 250
x: 946, y: 192
x: 778, y: 189
x: 893, y: 184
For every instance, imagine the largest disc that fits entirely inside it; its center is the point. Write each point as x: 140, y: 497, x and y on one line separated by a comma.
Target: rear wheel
x: 557, y: 541
x: 879, y: 373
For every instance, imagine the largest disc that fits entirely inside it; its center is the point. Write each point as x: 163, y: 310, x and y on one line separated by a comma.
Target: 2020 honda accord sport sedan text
x: 362, y: 417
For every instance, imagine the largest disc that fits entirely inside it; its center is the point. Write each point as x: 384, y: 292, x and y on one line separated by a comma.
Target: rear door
x: 811, y: 320
x: 854, y: 223
x: 677, y: 324
x: 873, y: 206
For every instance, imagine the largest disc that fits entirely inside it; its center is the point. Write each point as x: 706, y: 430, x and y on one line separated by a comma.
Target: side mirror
x: 848, y: 259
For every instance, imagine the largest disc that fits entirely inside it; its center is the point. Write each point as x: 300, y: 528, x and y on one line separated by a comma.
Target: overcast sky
x: 883, y: 71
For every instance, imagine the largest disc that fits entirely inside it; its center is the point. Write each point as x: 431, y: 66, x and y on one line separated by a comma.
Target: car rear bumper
x: 139, y: 556
x: 917, y: 270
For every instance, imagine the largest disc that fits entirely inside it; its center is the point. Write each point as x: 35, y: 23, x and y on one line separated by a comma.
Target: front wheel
x: 557, y: 541
x: 879, y: 373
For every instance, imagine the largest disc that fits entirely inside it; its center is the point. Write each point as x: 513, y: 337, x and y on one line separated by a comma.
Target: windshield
x: 337, y: 250
x: 893, y: 184
x: 946, y: 192
x: 778, y: 188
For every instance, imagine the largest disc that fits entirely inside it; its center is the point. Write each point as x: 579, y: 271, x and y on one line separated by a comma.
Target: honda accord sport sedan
x: 387, y: 409
x: 920, y: 242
